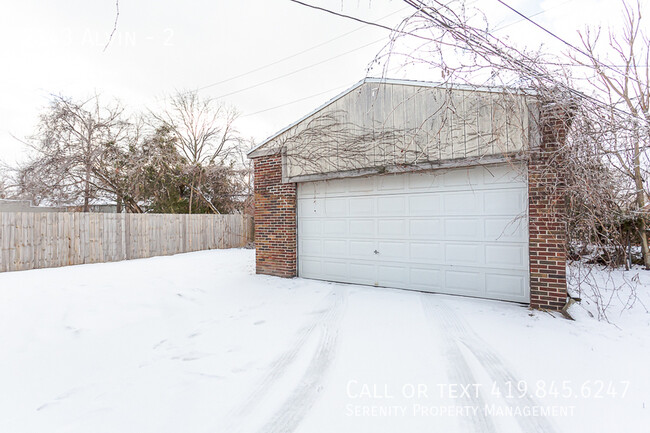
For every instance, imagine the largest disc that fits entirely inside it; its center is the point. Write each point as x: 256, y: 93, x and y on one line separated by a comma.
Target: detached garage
x: 419, y: 186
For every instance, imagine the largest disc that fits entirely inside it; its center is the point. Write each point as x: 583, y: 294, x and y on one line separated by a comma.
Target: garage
x: 460, y: 231
x: 421, y: 186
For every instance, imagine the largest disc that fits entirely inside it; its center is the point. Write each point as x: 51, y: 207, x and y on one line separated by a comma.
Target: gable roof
x: 404, y: 82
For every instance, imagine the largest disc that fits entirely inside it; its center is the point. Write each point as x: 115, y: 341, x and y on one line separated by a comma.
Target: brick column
x: 275, y: 219
x: 546, y: 225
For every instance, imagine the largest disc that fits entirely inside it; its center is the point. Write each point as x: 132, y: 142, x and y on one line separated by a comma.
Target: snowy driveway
x: 198, y: 343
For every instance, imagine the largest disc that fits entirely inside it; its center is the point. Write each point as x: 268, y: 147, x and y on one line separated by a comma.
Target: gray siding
x: 391, y: 124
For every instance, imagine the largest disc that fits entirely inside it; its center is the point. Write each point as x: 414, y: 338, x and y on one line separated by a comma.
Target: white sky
x: 160, y: 46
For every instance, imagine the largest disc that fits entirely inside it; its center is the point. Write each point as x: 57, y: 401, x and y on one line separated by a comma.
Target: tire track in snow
x: 288, y: 417
x: 291, y: 415
x: 443, y: 317
x: 458, y: 370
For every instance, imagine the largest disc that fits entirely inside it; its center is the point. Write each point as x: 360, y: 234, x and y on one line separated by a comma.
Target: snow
x: 198, y: 343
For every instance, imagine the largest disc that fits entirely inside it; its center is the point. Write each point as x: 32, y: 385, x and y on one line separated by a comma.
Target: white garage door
x: 460, y: 231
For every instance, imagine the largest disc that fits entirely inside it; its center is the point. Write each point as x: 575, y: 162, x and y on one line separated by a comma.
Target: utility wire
x: 299, y: 70
x: 568, y: 44
x: 530, y: 16
x: 268, y: 65
x: 294, y: 101
x: 420, y: 7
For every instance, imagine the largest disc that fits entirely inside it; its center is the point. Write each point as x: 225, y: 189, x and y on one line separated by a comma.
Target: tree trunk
x: 86, y: 207
x: 191, y: 194
x: 640, y: 201
x: 644, y: 243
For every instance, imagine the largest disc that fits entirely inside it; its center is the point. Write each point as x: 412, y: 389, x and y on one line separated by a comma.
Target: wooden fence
x: 31, y: 240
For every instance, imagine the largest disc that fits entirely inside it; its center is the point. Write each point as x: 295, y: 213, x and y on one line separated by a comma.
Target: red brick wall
x: 547, y: 243
x: 275, y: 219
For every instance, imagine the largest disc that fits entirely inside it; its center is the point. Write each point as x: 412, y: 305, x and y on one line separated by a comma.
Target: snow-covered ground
x: 199, y: 343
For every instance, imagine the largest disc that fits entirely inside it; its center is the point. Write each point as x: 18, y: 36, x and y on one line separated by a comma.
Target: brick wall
x: 275, y: 219
x: 547, y: 245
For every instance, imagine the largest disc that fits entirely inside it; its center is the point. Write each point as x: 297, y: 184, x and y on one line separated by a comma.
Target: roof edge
x: 316, y: 110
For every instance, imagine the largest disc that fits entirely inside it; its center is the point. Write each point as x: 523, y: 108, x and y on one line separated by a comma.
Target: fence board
x: 30, y: 240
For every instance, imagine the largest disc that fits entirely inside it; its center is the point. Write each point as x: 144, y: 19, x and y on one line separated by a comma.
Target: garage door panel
x: 426, y: 252
x: 335, y: 188
x: 334, y: 248
x: 362, y: 249
x: 430, y: 228
x: 311, y: 247
x: 392, y: 228
x: 506, y: 230
x: 335, y: 227
x: 425, y: 205
x: 512, y: 285
x: 336, y: 268
x: 397, y: 250
x: 311, y: 226
x: 505, y: 255
x: 467, y: 282
x: 392, y: 275
x: 391, y: 206
x: 336, y: 207
x: 423, y: 181
x: 463, y: 177
x: 465, y: 254
x: 309, y: 266
x: 504, y: 202
x: 363, y: 273
x: 391, y: 183
x: 426, y: 278
x: 464, y: 229
x: 455, y: 231
x: 362, y: 207
x: 365, y: 184
x: 462, y: 203
x: 503, y: 175
x: 311, y: 207
x: 308, y: 189
x: 362, y: 228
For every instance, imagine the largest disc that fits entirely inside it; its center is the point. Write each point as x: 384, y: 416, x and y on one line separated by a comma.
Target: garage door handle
x: 376, y: 252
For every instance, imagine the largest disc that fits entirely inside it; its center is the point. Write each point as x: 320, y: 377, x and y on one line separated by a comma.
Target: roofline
x: 404, y: 82
x: 316, y: 110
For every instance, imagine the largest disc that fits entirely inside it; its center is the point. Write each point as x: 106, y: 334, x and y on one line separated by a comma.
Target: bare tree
x: 623, y: 128
x: 67, y: 147
x: 204, y: 134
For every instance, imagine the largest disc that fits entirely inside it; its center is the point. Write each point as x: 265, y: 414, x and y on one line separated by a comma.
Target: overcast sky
x: 57, y: 47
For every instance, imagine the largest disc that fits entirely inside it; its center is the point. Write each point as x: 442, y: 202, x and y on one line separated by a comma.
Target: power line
x: 299, y: 70
x: 268, y: 65
x: 309, y: 49
x: 420, y: 7
x: 568, y: 44
x: 530, y: 16
x: 370, y: 23
x: 294, y: 101
x: 297, y: 100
